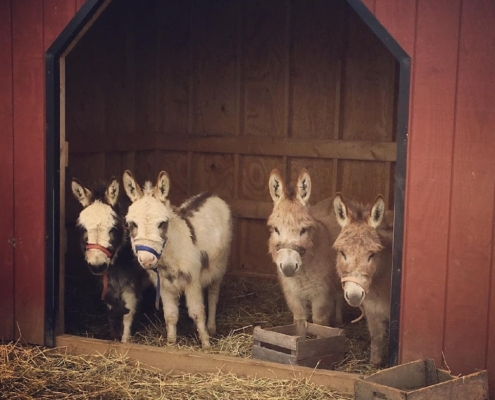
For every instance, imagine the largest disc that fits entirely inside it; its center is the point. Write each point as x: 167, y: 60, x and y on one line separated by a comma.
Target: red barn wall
x: 447, y: 299
x: 448, y: 302
x: 27, y: 29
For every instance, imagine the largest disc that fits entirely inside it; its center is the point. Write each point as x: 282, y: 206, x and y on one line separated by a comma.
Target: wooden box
x: 421, y: 380
x: 314, y: 346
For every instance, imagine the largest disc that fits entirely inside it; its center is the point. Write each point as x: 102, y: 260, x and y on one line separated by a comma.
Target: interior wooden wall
x: 218, y: 93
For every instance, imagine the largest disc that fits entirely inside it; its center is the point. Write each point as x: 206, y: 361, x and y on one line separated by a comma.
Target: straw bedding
x: 243, y: 304
x: 29, y: 372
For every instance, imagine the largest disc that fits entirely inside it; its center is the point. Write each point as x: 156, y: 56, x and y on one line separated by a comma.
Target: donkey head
x: 101, y: 224
x: 148, y: 218
x: 358, y: 246
x: 290, y: 223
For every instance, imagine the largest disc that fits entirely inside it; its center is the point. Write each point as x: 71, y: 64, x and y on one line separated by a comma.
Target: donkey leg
x: 213, y: 294
x: 322, y: 308
x: 196, y: 309
x: 170, y: 302
x: 377, y: 329
x: 296, y: 306
x: 130, y: 301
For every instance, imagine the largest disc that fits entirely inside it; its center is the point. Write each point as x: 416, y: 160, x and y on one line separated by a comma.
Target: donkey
x: 188, y: 248
x: 299, y: 246
x: 364, y: 264
x: 107, y: 251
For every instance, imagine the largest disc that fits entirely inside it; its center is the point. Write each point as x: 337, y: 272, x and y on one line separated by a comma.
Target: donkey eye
x: 370, y: 257
x: 303, y: 231
x: 131, y: 225
x: 343, y: 255
x: 276, y: 231
x: 163, y: 225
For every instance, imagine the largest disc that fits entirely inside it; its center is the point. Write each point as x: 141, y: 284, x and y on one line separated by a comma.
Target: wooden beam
x: 249, y: 145
x: 182, y: 361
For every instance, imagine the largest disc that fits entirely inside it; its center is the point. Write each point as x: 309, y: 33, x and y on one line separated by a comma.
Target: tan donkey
x: 299, y: 246
x: 364, y: 263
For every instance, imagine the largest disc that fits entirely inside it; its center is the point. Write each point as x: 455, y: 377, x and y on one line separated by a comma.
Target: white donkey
x: 187, y: 247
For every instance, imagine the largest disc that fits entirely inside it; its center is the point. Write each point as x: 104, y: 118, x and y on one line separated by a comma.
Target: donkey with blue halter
x: 107, y: 251
x: 183, y: 249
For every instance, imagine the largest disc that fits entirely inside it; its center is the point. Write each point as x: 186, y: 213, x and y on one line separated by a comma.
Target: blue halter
x: 151, y: 250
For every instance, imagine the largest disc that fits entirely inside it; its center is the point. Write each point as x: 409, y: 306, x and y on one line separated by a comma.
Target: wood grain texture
x: 264, y: 59
x: 317, y: 49
x: 254, y: 247
x: 214, y: 66
x: 6, y: 176
x: 213, y: 173
x: 428, y: 185
x: 29, y: 167
x: 471, y: 255
x: 255, y: 173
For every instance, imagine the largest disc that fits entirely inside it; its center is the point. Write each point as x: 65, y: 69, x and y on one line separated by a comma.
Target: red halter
x: 96, y: 246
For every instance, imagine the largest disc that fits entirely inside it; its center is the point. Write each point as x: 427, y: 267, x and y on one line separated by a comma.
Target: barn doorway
x: 218, y: 93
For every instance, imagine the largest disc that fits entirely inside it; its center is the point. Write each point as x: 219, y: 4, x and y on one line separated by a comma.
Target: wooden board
x: 181, y: 361
x: 29, y: 162
x: 470, y: 278
x: 428, y: 185
x: 7, y: 176
x: 418, y: 380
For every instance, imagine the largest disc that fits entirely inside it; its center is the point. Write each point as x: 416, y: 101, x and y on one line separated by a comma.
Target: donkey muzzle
x: 354, y: 292
x: 289, y: 261
x: 147, y: 256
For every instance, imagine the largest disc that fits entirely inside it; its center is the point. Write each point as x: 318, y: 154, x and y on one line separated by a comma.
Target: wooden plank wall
x: 27, y: 29
x: 6, y: 176
x: 219, y: 93
x: 448, y: 304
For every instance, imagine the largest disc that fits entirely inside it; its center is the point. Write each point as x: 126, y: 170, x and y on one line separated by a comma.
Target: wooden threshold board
x: 182, y: 361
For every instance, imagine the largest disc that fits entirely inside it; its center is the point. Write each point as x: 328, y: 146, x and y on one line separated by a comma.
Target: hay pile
x: 28, y: 372
x: 243, y: 304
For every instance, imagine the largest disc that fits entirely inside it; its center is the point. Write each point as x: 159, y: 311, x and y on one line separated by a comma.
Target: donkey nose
x: 146, y: 259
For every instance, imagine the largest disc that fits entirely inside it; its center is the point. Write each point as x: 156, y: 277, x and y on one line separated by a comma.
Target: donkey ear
x: 276, y: 186
x: 131, y: 187
x: 377, y: 212
x: 112, y: 192
x: 82, y: 194
x: 340, y: 209
x: 304, y: 187
x: 162, y: 186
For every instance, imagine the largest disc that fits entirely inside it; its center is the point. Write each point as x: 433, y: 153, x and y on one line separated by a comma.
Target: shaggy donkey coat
x: 364, y: 263
x: 300, y: 246
x: 107, y: 251
x: 188, y: 247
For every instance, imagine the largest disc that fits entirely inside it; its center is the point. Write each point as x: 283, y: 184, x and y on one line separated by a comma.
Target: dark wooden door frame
x: 77, y: 24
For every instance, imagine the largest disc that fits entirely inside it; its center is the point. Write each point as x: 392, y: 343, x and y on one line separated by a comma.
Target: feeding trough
x: 421, y: 380
x: 313, y: 346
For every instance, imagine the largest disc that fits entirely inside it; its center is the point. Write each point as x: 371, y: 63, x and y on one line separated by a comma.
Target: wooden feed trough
x: 292, y: 344
x: 421, y: 380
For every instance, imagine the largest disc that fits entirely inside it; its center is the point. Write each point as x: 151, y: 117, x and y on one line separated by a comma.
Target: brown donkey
x: 299, y: 246
x: 364, y: 263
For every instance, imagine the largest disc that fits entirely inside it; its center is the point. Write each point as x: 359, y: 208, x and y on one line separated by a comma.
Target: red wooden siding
x: 448, y: 301
x: 6, y: 176
x: 27, y: 28
x: 471, y: 225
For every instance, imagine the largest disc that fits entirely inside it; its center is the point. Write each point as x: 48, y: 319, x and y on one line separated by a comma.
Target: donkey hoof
x: 212, y: 330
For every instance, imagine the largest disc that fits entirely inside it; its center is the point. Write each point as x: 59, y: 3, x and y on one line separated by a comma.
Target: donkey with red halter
x: 300, y: 247
x: 107, y: 251
x: 364, y: 264
x: 183, y: 249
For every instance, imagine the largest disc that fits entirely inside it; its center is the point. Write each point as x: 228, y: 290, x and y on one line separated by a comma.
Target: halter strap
x: 354, y: 280
x: 157, y: 296
x: 141, y: 247
x: 96, y: 246
x: 105, y: 285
